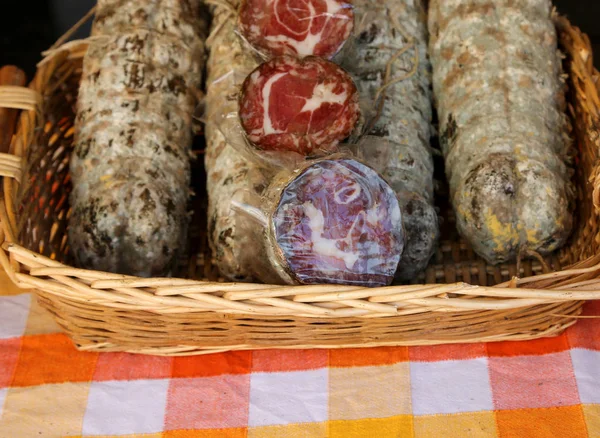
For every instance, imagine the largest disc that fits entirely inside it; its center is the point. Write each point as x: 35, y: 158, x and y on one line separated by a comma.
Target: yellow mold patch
x: 503, y: 234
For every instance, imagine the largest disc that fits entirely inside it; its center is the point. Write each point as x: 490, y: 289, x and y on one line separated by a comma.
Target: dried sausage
x: 130, y: 164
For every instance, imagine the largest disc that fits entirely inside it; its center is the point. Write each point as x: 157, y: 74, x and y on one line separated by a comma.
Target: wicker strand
x: 81, y: 284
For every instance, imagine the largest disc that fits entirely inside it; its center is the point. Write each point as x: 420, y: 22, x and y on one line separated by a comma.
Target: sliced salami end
x: 296, y: 27
x: 298, y: 105
x: 339, y: 222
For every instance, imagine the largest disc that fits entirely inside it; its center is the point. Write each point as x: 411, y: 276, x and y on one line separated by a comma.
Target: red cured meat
x: 339, y: 222
x: 298, y: 105
x: 296, y: 27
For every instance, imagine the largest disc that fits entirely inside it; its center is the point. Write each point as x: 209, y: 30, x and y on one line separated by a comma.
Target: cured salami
x: 327, y: 220
x: 501, y: 105
x: 296, y: 27
x: 391, y: 68
x: 339, y: 222
x: 130, y: 165
x: 299, y: 105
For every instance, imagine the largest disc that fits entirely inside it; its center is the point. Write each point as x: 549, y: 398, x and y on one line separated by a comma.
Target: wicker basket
x: 458, y: 299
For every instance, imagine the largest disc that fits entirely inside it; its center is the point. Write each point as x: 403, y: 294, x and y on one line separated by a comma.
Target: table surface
x: 541, y: 388
x: 7, y: 287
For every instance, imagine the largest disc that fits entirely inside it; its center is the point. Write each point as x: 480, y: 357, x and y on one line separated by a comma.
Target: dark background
x: 34, y: 25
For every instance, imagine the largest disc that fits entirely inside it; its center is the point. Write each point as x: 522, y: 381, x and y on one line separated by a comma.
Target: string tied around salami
x: 388, y: 81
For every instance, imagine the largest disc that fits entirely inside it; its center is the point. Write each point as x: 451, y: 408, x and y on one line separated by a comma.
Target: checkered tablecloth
x: 542, y: 388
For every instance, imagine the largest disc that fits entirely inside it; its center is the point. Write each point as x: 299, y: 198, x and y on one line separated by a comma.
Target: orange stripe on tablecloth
x: 391, y: 427
x: 233, y: 362
x: 436, y: 353
x: 288, y: 360
x: 52, y: 359
x: 295, y: 430
x: 566, y: 421
x: 234, y: 432
x: 467, y: 424
x: 352, y: 357
x: 529, y: 348
x: 586, y: 332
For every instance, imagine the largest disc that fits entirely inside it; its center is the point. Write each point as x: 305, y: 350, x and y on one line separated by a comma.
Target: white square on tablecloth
x: 3, y: 392
x: 288, y: 397
x: 126, y: 407
x: 586, y: 364
x: 14, y: 311
x: 450, y: 387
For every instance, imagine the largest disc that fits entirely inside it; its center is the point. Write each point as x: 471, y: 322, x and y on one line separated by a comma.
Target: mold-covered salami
x: 130, y: 164
x: 391, y: 68
x: 298, y: 105
x: 501, y: 105
x: 296, y: 27
x: 329, y: 220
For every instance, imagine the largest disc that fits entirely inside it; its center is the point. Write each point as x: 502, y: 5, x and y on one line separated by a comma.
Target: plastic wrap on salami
x: 130, y: 164
x: 301, y: 105
x: 228, y: 171
x: 296, y: 27
x: 256, y: 209
x: 338, y: 222
x: 390, y: 66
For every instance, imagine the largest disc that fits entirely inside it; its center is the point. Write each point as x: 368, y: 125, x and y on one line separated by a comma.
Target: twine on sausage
x: 526, y: 252
x: 60, y: 41
x: 231, y: 12
x: 379, y: 99
x: 223, y: 3
x: 410, y: 44
x: 61, y: 44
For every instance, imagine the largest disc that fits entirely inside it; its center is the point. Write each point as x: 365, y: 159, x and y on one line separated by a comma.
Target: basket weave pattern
x: 458, y: 299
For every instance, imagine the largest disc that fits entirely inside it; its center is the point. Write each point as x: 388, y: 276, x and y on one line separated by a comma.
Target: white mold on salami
x: 296, y: 27
x: 500, y: 99
x: 303, y: 105
x: 130, y: 164
x: 128, y: 225
x: 391, y: 68
x: 228, y: 172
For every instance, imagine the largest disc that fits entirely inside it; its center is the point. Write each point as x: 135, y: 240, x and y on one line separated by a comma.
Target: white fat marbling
x: 374, y: 215
x: 267, y: 124
x: 324, y: 246
x: 355, y: 189
x: 323, y: 93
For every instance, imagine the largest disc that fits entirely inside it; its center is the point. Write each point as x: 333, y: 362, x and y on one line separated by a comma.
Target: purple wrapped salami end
x: 339, y: 222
